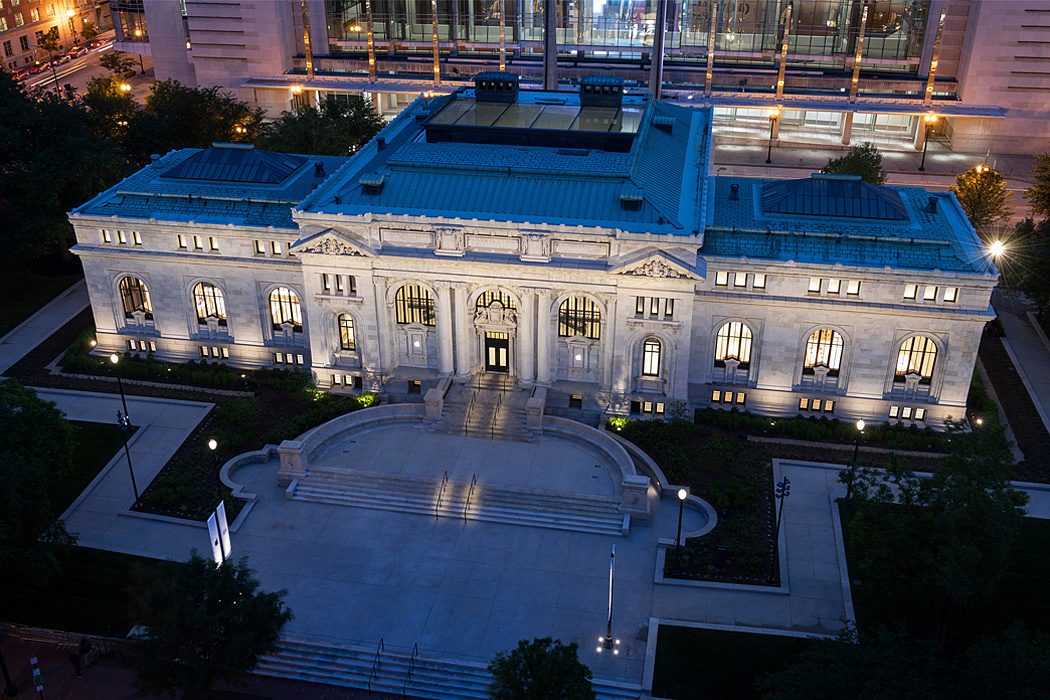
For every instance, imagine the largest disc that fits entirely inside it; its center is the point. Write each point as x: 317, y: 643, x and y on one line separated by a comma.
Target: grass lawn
x: 94, y: 444
x: 700, y: 664
x: 89, y: 596
x: 27, y: 292
x: 1020, y: 594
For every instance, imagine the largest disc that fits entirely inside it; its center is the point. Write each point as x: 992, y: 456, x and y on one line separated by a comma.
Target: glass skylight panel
x: 598, y: 119
x: 519, y: 116
x: 556, y: 117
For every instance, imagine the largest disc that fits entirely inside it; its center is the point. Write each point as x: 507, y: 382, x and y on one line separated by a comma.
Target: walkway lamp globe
x: 980, y: 422
x: 996, y: 249
x: 856, y: 441
x: 682, y: 495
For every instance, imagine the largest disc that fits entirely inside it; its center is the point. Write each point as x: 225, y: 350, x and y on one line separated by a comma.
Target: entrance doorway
x: 496, y: 352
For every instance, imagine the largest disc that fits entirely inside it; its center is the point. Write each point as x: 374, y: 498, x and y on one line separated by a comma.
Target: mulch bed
x: 1031, y: 434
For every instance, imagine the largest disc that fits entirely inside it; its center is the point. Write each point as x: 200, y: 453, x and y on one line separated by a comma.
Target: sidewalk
x: 36, y: 329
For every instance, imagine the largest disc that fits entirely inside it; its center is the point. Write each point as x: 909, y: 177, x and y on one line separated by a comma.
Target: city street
x: 80, y: 71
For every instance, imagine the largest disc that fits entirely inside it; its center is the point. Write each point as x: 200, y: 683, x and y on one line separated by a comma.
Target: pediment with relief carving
x: 332, y: 242
x: 656, y: 265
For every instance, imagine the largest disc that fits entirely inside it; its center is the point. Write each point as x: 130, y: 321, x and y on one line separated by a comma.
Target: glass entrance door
x: 497, y: 350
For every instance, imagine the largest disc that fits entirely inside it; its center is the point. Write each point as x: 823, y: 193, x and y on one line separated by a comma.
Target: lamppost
x: 928, y: 120
x: 124, y: 423
x: 682, y: 494
x: 138, y: 37
x: 773, y: 116
x: 72, y: 30
x: 782, y: 491
x: 607, y: 642
x: 213, y: 445
x: 10, y: 689
x: 856, y: 440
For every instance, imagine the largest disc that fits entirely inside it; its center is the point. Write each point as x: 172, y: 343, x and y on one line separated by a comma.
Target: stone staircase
x: 398, y: 672
x: 424, y: 495
x: 488, y: 406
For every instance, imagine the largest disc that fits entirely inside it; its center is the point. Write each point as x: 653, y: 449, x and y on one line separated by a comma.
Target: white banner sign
x: 224, y: 530
x: 216, y: 544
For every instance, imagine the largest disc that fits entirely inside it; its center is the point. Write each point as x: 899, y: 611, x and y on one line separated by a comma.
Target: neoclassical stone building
x: 573, y: 240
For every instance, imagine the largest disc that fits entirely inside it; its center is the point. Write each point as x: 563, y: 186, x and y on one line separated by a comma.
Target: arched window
x: 413, y: 303
x: 135, y: 296
x: 733, y: 342
x: 347, y: 339
x: 284, y: 308
x: 651, y: 358
x: 207, y: 298
x: 917, y: 355
x: 486, y: 299
x: 579, y: 316
x: 824, y: 348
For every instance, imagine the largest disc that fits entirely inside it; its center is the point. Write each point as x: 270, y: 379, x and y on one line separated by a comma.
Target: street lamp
x: 682, y: 494
x: 782, y: 491
x: 124, y: 423
x: 996, y: 249
x: 213, y: 445
x: 928, y: 121
x: 607, y: 642
x: 774, y: 114
x: 10, y: 689
x: 115, y: 358
x: 856, y: 440
x: 70, y: 14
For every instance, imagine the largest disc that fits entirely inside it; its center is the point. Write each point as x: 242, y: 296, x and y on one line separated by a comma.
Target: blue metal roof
x: 833, y: 195
x: 233, y: 162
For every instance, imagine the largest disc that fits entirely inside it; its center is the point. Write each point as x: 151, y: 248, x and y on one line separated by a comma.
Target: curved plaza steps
x: 489, y: 503
x: 440, y: 679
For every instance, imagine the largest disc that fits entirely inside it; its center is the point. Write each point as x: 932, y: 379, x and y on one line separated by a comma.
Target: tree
x: 117, y: 63
x: 89, y: 31
x: 202, y: 624
x: 177, y: 116
x: 864, y: 160
x: 334, y: 128
x: 50, y: 162
x: 982, y: 193
x: 542, y: 668
x: 48, y: 41
x: 113, y: 108
x: 36, y: 446
x: 1038, y: 195
x: 942, y: 542
x: 1013, y: 666
x: 1027, y: 261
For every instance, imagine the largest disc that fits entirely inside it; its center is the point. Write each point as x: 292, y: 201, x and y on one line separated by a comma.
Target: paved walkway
x: 36, y: 329
x: 1025, y: 344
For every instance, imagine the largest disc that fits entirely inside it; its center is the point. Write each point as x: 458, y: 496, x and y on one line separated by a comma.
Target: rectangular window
x: 894, y: 411
x: 758, y: 281
x: 906, y: 412
x: 951, y: 294
x: 259, y: 249
x: 721, y: 278
x: 23, y: 41
x: 659, y: 409
x: 815, y: 404
x: 3, y: 27
x: 576, y: 401
x: 204, y: 350
x: 834, y: 286
x: 910, y: 291
x: 339, y: 284
x: 7, y: 44
x: 647, y: 407
x: 198, y: 243
x: 182, y: 242
x: 51, y: 10
x: 213, y: 244
x: 929, y: 294
x: 34, y: 15
x: 829, y: 406
x: 740, y: 279
x: 18, y: 19
x: 122, y: 238
x: 275, y: 247
x: 740, y: 397
x: 920, y: 414
x: 669, y: 308
x: 639, y: 306
x: 278, y: 357
x: 337, y: 379
x: 654, y: 306
x: 106, y: 236
x: 716, y: 396
x: 136, y: 237
x: 636, y: 407
x: 853, y: 287
x: 351, y: 284
x: 814, y: 285
x: 803, y: 404
x: 415, y: 386
x: 326, y: 283
x: 299, y: 359
x: 131, y: 345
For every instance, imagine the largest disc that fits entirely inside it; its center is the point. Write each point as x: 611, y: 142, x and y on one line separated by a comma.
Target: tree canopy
x: 201, y: 624
x: 864, y: 160
x: 335, y: 128
x: 542, y: 668
x: 116, y: 62
x: 982, y: 193
x: 1038, y: 195
x: 114, y: 109
x: 36, y: 446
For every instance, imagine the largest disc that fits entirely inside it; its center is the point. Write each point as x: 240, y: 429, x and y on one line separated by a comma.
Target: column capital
x: 443, y: 284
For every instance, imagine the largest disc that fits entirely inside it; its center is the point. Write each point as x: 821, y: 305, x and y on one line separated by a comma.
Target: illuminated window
x: 733, y: 342
x: 951, y: 294
x: 834, y: 286
x: 716, y: 396
x: 917, y: 355
x: 654, y: 305
x: 853, y: 287
x: 906, y: 412
x: 824, y: 348
x: 486, y: 299
x: 668, y: 308
x: 911, y: 291
x: 579, y: 316
x: 198, y: 243
x: 34, y: 14
x: 920, y: 414
x: 740, y: 279
x: 107, y: 237
x: 829, y: 406
x: 651, y: 358
x: 814, y: 285
x: 260, y: 249
x: 929, y: 294
x: 758, y: 282
x: 803, y: 404
x: 275, y: 247
x: 347, y: 340
x: 639, y: 306
x: 284, y: 308
x: 740, y: 397
x: 722, y: 278
x: 414, y: 304
x: 136, y: 238
x: 182, y: 242
x: 122, y: 238
x: 135, y: 296
x: 815, y: 404
x: 207, y: 298
x: 895, y: 411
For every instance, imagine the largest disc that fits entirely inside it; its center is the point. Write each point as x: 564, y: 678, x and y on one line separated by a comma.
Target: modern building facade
x: 832, y: 71
x: 571, y: 240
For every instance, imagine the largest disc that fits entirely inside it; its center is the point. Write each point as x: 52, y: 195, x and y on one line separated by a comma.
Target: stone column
x: 608, y: 342
x: 847, y: 128
x: 526, y: 339
x: 444, y: 327
x: 464, y: 330
x: 384, y: 331
x: 543, y: 336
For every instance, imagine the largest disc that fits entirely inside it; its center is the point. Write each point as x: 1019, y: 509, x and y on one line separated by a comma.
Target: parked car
x: 77, y: 52
x: 38, y: 68
x: 61, y: 58
x: 20, y: 74
x: 95, y: 43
